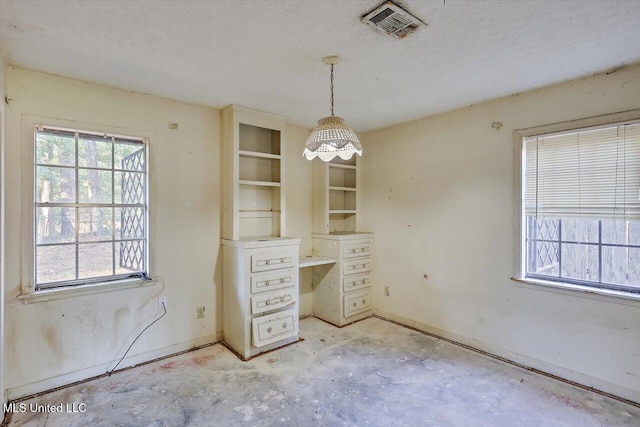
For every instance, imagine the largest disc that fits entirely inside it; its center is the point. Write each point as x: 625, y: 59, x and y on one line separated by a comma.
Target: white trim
x: 83, y: 374
x: 559, y: 371
x: 607, y: 295
x: 91, y: 288
x: 589, y: 122
x: 29, y: 123
x: 519, y: 261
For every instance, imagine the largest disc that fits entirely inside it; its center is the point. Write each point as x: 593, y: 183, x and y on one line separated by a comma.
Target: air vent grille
x: 381, y: 16
x: 391, y: 19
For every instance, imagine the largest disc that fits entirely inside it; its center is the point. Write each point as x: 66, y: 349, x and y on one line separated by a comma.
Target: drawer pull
x: 284, y: 325
x: 269, y: 329
x: 283, y: 260
x: 355, y: 304
x: 364, y: 301
x: 363, y: 281
x: 273, y: 282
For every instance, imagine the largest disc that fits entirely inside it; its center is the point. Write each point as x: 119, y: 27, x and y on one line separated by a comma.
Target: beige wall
x: 72, y: 338
x: 2, y: 183
x: 55, y: 342
x: 445, y: 181
x: 438, y: 192
x: 298, y: 181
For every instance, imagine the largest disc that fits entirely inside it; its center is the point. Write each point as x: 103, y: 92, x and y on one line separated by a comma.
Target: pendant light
x: 332, y: 137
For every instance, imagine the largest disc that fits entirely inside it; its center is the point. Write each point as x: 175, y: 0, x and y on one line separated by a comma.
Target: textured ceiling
x: 267, y: 54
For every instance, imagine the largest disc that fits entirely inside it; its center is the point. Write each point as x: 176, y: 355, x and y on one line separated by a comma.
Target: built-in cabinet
x: 253, y: 161
x: 260, y: 294
x: 342, y: 292
x: 260, y: 265
x: 335, y: 195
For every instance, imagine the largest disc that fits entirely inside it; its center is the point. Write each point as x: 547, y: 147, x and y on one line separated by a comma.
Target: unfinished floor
x: 371, y: 373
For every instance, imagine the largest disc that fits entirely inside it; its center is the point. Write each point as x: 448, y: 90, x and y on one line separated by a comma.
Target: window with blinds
x: 582, y: 206
x: 90, y: 208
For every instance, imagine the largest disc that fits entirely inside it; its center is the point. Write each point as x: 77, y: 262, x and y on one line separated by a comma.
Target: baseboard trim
x: 585, y: 382
x: 48, y: 385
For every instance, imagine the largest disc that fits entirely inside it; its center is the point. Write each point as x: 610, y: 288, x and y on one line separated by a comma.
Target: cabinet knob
x: 269, y: 330
x: 364, y: 301
x: 364, y: 265
x: 355, y: 304
x: 268, y: 262
x: 364, y: 281
x: 283, y: 280
x: 284, y: 325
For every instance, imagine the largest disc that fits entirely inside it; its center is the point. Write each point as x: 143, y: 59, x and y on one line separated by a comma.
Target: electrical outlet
x: 200, y: 312
x: 162, y: 301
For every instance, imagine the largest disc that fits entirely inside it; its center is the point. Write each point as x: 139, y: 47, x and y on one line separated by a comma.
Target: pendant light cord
x: 331, y: 89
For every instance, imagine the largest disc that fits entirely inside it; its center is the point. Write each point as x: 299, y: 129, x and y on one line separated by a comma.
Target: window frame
x: 29, y: 287
x: 519, y: 221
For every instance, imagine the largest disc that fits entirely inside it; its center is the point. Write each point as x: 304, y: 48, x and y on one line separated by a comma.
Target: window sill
x: 89, y: 289
x: 619, y: 297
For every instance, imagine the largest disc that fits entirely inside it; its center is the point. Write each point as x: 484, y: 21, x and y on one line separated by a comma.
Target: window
x: 90, y: 208
x: 581, y: 207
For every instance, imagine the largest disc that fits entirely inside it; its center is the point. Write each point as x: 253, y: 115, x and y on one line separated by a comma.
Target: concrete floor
x: 370, y: 373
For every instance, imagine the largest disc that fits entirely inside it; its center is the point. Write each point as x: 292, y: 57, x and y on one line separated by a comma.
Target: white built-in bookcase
x: 253, y: 173
x: 335, y: 196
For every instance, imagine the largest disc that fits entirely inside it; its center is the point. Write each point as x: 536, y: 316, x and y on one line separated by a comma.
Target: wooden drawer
x: 359, y: 249
x: 273, y: 300
x: 273, y: 259
x: 356, y: 303
x: 274, y: 327
x: 356, y: 266
x: 353, y: 283
x: 274, y: 280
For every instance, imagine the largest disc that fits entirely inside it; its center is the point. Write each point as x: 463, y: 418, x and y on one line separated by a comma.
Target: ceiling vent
x: 391, y: 19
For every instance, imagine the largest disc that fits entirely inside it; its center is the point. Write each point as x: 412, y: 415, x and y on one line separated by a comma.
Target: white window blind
x: 590, y: 173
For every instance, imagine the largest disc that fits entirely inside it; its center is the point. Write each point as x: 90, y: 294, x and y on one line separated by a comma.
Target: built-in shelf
x: 253, y: 173
x: 312, y: 261
x: 331, y: 165
x: 257, y: 214
x: 334, y: 196
x: 260, y: 183
x: 258, y: 155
